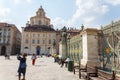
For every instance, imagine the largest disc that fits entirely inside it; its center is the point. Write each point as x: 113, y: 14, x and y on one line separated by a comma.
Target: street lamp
x: 68, y: 46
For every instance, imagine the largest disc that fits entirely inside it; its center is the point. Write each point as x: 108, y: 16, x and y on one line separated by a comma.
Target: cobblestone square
x: 44, y: 69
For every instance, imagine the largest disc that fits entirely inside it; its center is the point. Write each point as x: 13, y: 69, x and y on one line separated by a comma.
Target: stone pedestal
x: 90, y: 48
x: 62, y: 50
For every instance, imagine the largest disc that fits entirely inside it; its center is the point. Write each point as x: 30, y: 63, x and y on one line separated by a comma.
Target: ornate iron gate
x: 109, y: 47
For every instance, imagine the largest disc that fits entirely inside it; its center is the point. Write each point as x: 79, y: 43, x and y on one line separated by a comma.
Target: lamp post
x: 68, y: 46
x: 64, y: 43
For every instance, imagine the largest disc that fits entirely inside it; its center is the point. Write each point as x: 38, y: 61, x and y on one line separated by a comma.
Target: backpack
x: 23, y: 65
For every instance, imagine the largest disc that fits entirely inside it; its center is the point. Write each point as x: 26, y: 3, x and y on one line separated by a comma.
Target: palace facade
x: 38, y: 35
x: 10, y: 39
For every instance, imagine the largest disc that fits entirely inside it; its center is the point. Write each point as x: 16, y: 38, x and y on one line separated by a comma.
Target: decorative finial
x: 82, y: 27
x: 27, y: 24
x: 64, y: 29
x: 112, y: 23
x: 41, y: 6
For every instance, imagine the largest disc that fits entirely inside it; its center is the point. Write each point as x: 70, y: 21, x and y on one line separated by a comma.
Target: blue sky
x: 69, y: 13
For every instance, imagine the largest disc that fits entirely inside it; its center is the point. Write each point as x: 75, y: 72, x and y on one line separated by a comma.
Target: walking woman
x: 33, y: 59
x: 22, y: 66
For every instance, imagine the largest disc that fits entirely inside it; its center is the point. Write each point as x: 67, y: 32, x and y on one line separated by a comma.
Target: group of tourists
x: 59, y: 60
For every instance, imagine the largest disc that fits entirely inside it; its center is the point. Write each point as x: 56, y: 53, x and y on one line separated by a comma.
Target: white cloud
x: 29, y: 1
x: 113, y: 2
x: 4, y: 11
x: 6, y: 20
x: 20, y: 1
x: 89, y: 9
x: 87, y: 12
x: 16, y: 1
x: 59, y: 22
x: 89, y: 19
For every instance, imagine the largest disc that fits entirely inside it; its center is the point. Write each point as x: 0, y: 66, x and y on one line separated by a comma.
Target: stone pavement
x: 44, y: 69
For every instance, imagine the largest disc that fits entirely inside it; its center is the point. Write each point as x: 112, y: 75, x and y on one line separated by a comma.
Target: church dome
x: 40, y: 12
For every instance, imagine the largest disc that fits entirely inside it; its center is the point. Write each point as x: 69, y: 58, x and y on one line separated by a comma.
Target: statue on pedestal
x: 54, y: 43
x: 64, y: 34
x: 63, y: 45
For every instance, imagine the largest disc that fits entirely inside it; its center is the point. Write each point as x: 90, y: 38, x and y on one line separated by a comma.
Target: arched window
x: 39, y: 22
x: 40, y: 13
x: 32, y: 22
x: 49, y: 41
x: 46, y: 23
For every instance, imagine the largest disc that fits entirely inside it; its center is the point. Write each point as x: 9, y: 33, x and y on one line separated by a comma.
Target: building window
x: 43, y: 35
x: 26, y: 35
x: 49, y: 41
x: 26, y: 41
x: 8, y: 34
x: 39, y: 22
x: 8, y: 29
x: 46, y: 23
x: 38, y: 35
x: 38, y: 41
x: 33, y: 35
x: 8, y: 40
x: 26, y: 47
x: 32, y: 22
x: 33, y: 41
x: 40, y: 13
x: 4, y: 29
x: 49, y: 35
x: 43, y: 41
x: 54, y: 35
x: 3, y: 40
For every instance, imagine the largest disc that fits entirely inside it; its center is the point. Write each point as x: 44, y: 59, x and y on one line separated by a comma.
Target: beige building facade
x: 38, y: 35
x: 83, y: 47
x: 10, y: 39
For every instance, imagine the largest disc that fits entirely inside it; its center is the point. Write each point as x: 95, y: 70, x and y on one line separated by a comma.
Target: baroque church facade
x: 38, y: 35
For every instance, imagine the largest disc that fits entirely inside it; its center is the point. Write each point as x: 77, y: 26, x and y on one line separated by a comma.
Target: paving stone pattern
x: 44, y: 69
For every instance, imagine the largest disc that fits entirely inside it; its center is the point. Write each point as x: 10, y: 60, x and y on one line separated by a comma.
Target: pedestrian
x: 33, y: 58
x: 63, y: 61
x: 22, y: 66
x: 60, y: 59
x: 55, y: 57
x: 6, y: 56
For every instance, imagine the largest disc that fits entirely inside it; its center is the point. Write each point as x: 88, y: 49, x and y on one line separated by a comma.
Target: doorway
x: 3, y: 50
x: 38, y: 50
